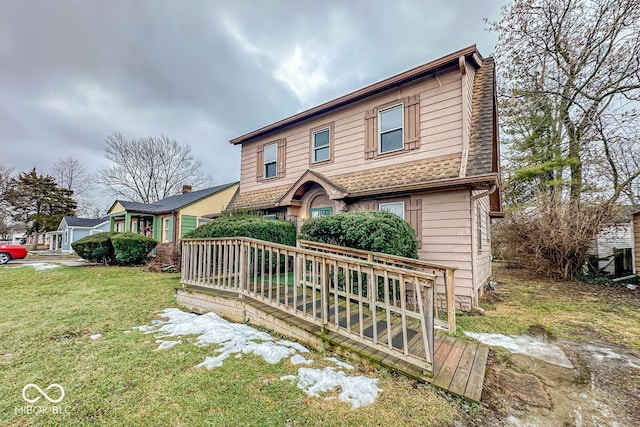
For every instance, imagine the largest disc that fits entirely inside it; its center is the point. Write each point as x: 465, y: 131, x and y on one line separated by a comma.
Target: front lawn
x: 49, y: 322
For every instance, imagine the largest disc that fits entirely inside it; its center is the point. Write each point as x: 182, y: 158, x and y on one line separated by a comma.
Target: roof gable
x: 172, y: 203
x: 399, y: 79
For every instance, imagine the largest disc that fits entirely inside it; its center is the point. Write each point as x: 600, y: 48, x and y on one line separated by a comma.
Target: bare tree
x: 148, y: 169
x: 72, y: 175
x: 580, y: 60
x: 6, y: 223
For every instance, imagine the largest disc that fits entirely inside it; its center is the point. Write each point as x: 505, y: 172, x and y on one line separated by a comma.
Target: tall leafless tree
x: 572, y: 69
x: 6, y: 222
x: 148, y: 169
x: 72, y: 175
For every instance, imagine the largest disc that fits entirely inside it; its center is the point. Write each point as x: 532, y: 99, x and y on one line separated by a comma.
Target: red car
x: 9, y: 252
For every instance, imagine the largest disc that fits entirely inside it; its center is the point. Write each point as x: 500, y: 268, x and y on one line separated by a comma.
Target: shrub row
x: 246, y: 225
x: 114, y: 248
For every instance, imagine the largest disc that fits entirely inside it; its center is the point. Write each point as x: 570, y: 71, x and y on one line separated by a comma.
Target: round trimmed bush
x: 114, y: 248
x: 368, y: 230
x: 96, y: 248
x: 256, y: 227
x: 131, y: 248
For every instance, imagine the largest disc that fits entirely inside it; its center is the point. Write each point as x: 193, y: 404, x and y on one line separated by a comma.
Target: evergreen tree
x: 39, y: 202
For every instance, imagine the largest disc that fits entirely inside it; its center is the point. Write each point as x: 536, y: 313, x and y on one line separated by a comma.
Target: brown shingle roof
x: 416, y: 172
x: 257, y: 199
x: 482, y: 121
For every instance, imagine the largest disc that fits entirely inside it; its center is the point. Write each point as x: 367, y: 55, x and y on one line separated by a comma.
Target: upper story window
x: 396, y: 208
x: 391, y: 132
x: 321, y: 145
x: 270, y: 161
x: 322, y: 141
x: 392, y: 128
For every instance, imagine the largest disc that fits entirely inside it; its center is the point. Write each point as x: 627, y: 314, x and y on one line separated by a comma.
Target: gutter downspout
x: 474, y: 251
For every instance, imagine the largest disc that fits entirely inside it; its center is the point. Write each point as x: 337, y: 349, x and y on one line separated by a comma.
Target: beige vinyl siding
x: 446, y: 236
x: 441, y: 128
x: 483, y: 254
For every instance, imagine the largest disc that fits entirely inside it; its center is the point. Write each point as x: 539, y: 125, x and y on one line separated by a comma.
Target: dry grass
x: 567, y: 309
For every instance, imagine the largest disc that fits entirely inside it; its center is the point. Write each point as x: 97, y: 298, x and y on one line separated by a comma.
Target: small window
x: 396, y: 208
x: 168, y: 230
x: 391, y: 134
x: 321, y: 145
x: 270, y: 216
x: 270, y: 160
x: 316, y: 212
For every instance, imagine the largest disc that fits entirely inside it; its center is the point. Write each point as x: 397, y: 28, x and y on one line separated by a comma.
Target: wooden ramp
x: 459, y: 364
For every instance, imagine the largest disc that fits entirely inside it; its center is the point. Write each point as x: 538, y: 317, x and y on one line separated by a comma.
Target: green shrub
x: 131, y: 248
x: 368, y: 230
x: 254, y: 226
x: 96, y: 248
x: 114, y: 248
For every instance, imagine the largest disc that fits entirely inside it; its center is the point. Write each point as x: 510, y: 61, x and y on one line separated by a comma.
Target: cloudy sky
x: 202, y: 72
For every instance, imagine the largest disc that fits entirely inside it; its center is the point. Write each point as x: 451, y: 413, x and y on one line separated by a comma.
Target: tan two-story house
x: 422, y: 144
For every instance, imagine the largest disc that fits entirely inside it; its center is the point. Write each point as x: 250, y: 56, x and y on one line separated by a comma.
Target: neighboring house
x: 613, y: 248
x: 422, y: 144
x: 72, y: 229
x: 167, y: 220
x: 635, y: 227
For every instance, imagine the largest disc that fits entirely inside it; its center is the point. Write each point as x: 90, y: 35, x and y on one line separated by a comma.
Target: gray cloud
x: 199, y: 71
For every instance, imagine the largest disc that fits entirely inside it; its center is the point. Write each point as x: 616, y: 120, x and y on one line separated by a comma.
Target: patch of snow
x: 339, y: 363
x: 95, y: 336
x: 37, y: 266
x: 239, y: 339
x: 296, y: 359
x: 357, y: 391
x: 233, y: 338
x: 527, y: 345
x: 297, y: 346
x: 602, y: 354
x: 167, y: 344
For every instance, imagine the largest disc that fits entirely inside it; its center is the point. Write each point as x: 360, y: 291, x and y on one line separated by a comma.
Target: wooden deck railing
x: 446, y: 272
x: 359, y: 299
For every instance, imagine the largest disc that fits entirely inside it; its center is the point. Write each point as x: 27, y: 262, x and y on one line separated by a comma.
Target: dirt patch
x: 597, y: 392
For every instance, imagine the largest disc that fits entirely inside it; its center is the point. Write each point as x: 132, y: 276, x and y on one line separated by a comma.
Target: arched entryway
x: 316, y: 202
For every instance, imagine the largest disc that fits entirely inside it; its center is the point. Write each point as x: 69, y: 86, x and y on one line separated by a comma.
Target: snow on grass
x: 239, y: 339
x: 527, y: 345
x: 357, y: 391
x: 296, y: 359
x: 167, y: 344
x: 37, y: 265
x: 338, y: 363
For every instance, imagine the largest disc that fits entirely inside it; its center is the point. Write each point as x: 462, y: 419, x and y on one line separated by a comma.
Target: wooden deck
x: 458, y: 367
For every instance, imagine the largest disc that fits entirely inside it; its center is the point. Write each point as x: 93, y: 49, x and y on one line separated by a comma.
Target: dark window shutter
x: 259, y: 162
x: 282, y: 158
x: 412, y: 122
x: 414, y: 217
x: 371, y: 133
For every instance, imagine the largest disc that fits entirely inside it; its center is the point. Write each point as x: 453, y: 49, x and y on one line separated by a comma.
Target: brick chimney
x: 186, y: 189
